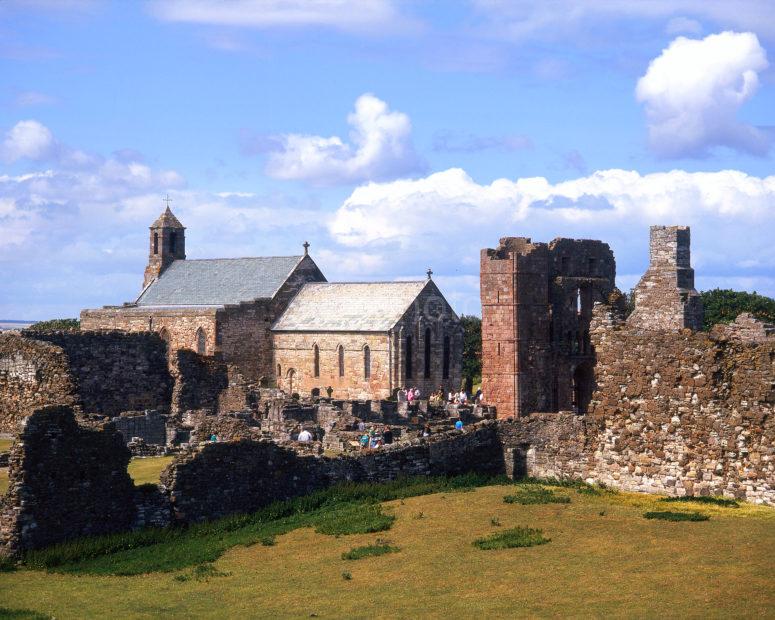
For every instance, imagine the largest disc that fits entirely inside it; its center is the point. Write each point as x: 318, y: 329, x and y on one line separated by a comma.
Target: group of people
x: 371, y: 439
x: 408, y: 394
x: 461, y: 397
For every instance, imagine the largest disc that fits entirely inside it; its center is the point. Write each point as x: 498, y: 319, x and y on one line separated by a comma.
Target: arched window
x: 445, y: 367
x: 578, y: 301
x: 315, y: 361
x: 279, y: 371
x: 155, y: 243
x: 366, y: 362
x: 173, y: 241
x: 340, y: 356
x: 427, y: 369
x: 409, y: 357
x: 201, y: 341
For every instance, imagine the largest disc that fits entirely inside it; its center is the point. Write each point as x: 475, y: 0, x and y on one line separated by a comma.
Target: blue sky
x: 392, y: 135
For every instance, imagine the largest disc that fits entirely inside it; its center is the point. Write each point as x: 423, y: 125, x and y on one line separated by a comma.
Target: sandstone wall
x: 65, y: 481
x: 32, y: 374
x: 112, y: 371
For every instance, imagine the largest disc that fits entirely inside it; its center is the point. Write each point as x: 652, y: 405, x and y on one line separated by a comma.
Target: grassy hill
x: 602, y: 558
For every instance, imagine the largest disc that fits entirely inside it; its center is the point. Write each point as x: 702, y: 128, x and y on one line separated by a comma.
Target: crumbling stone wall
x: 665, y: 298
x: 537, y: 301
x: 746, y: 328
x: 114, y: 372
x: 199, y: 381
x: 32, y: 374
x: 150, y: 426
x: 65, y: 481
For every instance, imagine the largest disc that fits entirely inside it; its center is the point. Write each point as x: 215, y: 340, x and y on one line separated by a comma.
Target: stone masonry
x: 665, y: 298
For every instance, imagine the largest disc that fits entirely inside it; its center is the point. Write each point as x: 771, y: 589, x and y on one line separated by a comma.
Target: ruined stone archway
x: 583, y: 387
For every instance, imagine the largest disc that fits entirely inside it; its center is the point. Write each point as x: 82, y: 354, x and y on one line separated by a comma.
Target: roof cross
x: 429, y: 272
x: 306, y: 248
x: 168, y: 200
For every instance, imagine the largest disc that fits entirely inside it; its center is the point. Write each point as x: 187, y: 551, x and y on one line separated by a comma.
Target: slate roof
x: 349, y: 306
x: 219, y: 281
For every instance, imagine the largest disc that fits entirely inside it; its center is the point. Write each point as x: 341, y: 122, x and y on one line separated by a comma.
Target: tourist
x: 451, y: 398
x: 463, y: 397
x: 416, y: 393
x: 426, y: 431
x: 364, y: 441
x: 409, y: 395
x: 213, y: 438
x: 401, y: 396
x: 361, y: 426
x: 305, y: 436
x: 459, y: 425
x: 387, y: 436
x: 478, y: 395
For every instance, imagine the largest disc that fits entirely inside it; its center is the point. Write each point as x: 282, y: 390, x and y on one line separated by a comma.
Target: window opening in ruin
x: 497, y: 296
x: 366, y: 362
x: 291, y: 376
x: 578, y: 301
x: 201, y: 341
x: 592, y: 265
x: 340, y: 355
x: 279, y: 372
x: 315, y: 361
x: 445, y: 365
x: 427, y: 369
x: 409, y: 357
x: 173, y: 241
x: 582, y: 388
x: 155, y: 243
x: 520, y: 461
x: 499, y: 348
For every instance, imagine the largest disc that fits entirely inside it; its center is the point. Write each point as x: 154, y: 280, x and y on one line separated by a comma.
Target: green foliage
x: 723, y: 306
x: 267, y: 541
x: 536, y: 495
x: 21, y: 614
x: 472, y: 348
x: 356, y: 553
x: 55, y: 325
x: 351, y: 508
x: 716, y: 501
x: 514, y: 537
x: 676, y: 516
x: 201, y: 572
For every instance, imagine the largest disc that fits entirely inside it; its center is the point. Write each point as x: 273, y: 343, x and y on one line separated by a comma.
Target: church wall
x: 294, y: 350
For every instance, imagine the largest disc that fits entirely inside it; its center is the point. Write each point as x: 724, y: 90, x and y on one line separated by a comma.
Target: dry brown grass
x: 615, y: 564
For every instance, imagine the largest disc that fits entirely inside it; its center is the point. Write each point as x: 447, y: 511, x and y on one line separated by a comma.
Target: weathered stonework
x: 746, y: 328
x: 665, y: 298
x: 536, y: 307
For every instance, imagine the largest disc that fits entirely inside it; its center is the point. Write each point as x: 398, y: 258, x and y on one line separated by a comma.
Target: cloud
x: 693, y: 90
x: 381, y: 149
x: 418, y: 221
x: 33, y: 98
x: 678, y: 25
x: 347, y: 15
x: 27, y: 140
x: 449, y: 142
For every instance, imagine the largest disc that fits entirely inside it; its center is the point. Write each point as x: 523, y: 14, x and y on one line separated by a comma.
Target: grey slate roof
x: 349, y: 306
x: 219, y: 281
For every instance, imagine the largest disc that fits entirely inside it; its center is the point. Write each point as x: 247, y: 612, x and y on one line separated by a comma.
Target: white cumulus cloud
x: 380, y: 148
x: 27, y: 140
x: 693, y: 90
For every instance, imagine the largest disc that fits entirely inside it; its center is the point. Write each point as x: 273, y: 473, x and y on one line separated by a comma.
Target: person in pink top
x: 410, y: 395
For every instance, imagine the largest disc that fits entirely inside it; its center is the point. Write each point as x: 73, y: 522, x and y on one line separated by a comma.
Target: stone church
x: 277, y: 321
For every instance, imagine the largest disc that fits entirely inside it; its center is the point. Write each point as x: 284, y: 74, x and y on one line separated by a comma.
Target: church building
x: 277, y: 321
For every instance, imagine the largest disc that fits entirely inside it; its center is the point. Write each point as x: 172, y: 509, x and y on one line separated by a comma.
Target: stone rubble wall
x: 746, y: 328
x: 65, y: 481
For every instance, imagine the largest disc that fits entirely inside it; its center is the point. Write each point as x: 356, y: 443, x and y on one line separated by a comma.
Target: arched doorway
x: 289, y: 377
x: 583, y: 386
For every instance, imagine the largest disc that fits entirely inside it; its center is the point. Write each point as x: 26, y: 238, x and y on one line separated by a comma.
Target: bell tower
x: 167, y: 244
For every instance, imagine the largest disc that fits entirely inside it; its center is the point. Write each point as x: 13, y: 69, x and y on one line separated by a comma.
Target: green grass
x: 666, y: 515
x: 20, y: 614
x: 356, y: 553
x: 705, y: 499
x: 536, y: 495
x: 147, y: 470
x: 5, y: 444
x: 514, y: 537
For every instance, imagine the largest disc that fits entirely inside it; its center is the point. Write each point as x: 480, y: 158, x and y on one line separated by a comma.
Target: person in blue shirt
x: 459, y: 425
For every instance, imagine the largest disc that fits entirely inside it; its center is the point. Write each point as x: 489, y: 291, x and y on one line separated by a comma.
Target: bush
x: 723, y: 306
x: 55, y: 325
x: 356, y: 553
x: 514, y: 537
x: 676, y: 516
x: 716, y: 501
x: 536, y: 495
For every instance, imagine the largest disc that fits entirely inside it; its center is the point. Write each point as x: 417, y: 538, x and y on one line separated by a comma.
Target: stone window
x: 340, y: 355
x: 445, y: 364
x: 409, y: 370
x: 173, y: 241
x: 279, y: 371
x: 155, y: 243
x: 315, y: 361
x: 201, y: 341
x: 578, y: 301
x: 427, y: 369
x: 592, y: 263
x: 366, y: 362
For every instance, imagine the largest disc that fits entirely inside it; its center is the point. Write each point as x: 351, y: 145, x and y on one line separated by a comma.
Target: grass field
x: 603, y: 558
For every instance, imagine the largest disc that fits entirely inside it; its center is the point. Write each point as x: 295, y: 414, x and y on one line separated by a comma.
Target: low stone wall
x: 65, y: 481
x: 224, y: 478
x: 150, y: 426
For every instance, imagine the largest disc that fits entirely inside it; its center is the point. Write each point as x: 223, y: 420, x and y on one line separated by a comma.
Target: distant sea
x: 9, y: 324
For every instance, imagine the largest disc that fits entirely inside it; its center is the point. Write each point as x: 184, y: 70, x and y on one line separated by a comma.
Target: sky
x: 393, y: 136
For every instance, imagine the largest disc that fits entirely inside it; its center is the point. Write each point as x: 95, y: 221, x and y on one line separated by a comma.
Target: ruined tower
x: 167, y: 244
x: 665, y: 297
x: 536, y: 309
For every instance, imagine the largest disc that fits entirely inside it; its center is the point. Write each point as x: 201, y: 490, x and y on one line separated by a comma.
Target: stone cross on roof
x: 168, y: 200
x: 306, y: 248
x: 429, y: 272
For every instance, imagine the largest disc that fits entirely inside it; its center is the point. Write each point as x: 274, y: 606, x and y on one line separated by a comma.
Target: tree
x: 472, y: 349
x: 723, y: 306
x: 55, y: 325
